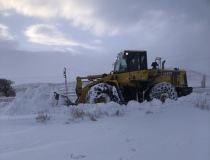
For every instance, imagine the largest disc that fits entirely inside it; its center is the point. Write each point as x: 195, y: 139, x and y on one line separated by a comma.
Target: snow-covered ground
x: 174, y: 130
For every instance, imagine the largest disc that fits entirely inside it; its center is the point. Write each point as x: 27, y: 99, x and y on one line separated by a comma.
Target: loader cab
x: 130, y: 60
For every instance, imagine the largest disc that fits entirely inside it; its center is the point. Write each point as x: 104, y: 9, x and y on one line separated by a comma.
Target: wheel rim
x: 162, y: 91
x: 104, y: 98
x: 163, y: 97
x: 102, y: 93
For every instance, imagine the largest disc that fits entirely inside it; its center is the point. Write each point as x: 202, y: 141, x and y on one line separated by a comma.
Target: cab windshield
x: 120, y: 64
x: 129, y: 61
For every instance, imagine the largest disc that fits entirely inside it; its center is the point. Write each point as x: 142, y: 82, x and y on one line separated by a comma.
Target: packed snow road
x: 149, y: 130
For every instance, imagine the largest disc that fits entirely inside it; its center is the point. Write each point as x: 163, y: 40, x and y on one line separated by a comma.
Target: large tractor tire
x: 162, y: 91
x: 102, y: 93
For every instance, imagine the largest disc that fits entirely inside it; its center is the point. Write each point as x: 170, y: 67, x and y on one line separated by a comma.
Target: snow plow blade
x: 68, y: 102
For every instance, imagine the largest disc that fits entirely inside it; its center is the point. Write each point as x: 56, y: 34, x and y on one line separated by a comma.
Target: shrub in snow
x: 42, y: 118
x: 77, y: 157
x: 118, y: 113
x: 203, y: 101
x: 93, y: 112
x: 92, y: 118
x: 81, y: 114
x: 77, y: 113
x: 148, y: 112
x: 204, y: 105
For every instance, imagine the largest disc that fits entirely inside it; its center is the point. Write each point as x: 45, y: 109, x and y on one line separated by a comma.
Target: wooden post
x: 64, y: 74
x: 203, y: 82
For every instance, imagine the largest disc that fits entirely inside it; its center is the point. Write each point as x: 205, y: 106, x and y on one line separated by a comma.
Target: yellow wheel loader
x: 132, y: 80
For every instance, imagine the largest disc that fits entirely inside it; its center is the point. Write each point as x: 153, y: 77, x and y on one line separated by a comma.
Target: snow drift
x: 31, y: 101
x: 41, y: 99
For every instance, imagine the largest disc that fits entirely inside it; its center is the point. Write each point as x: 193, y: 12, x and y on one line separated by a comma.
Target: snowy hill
x: 194, y: 80
x: 149, y: 130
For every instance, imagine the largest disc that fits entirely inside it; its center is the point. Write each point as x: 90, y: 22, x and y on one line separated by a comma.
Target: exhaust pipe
x: 163, y: 64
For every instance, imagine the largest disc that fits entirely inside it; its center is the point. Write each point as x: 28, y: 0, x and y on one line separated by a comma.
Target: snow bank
x: 31, y: 101
x: 41, y: 99
x: 95, y: 111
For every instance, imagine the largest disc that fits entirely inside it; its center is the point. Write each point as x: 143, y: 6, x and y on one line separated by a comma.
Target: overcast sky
x: 38, y: 38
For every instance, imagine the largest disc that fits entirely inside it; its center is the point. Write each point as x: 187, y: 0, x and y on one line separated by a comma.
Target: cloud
x: 6, y: 39
x: 5, y: 14
x: 79, y: 13
x: 4, y: 33
x: 137, y: 22
x: 47, y: 34
x: 104, y: 18
x: 97, y: 41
